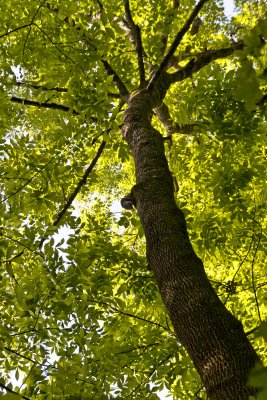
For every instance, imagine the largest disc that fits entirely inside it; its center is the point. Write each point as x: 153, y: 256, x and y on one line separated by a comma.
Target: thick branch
x: 172, y: 127
x: 176, y: 43
x: 201, y: 61
x: 136, y: 33
x: 116, y: 79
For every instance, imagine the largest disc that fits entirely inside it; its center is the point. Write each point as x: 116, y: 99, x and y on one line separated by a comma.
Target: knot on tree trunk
x: 128, y: 202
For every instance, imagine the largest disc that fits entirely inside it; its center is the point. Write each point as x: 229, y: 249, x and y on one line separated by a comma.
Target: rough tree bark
x: 213, y: 337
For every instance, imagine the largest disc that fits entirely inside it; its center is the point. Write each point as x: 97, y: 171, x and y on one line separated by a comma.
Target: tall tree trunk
x: 213, y: 337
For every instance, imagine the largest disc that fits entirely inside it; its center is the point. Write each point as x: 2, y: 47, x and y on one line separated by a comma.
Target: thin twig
x: 12, y: 391
x: 27, y: 376
x: 40, y: 169
x: 149, y: 375
x: 45, y: 300
x: 20, y: 355
x: 108, y: 68
x: 81, y: 183
x: 15, y: 30
x: 199, y: 390
x: 54, y: 44
x: 44, y: 88
x: 128, y: 314
x: 252, y: 330
x: 30, y: 27
x: 253, y: 277
x: 262, y: 100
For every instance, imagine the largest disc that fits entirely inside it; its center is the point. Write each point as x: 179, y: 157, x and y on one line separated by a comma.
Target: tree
x: 90, y: 91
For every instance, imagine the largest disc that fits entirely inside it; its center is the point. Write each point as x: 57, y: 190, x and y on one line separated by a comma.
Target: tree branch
x: 108, y: 68
x: 15, y: 30
x: 253, y: 278
x: 44, y: 88
x: 52, y: 106
x: 164, y: 38
x: 55, y: 45
x: 39, y: 171
x: 81, y: 183
x: 28, y: 180
x: 149, y: 375
x: 136, y: 33
x: 176, y: 43
x: 116, y: 79
x: 128, y: 314
x: 201, y: 61
x: 56, y: 88
x: 12, y: 391
x: 172, y: 127
x: 30, y: 28
x: 253, y: 330
x: 20, y: 355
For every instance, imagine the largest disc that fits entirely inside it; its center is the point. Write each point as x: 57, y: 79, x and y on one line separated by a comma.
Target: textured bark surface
x: 213, y: 337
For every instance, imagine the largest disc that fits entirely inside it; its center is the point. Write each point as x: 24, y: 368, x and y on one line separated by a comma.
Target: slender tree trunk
x: 213, y: 337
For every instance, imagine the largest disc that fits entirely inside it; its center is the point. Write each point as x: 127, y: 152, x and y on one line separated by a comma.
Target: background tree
x: 81, y: 313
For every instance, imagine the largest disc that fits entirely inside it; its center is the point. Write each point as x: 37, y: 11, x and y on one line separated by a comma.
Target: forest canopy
x: 81, y: 312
